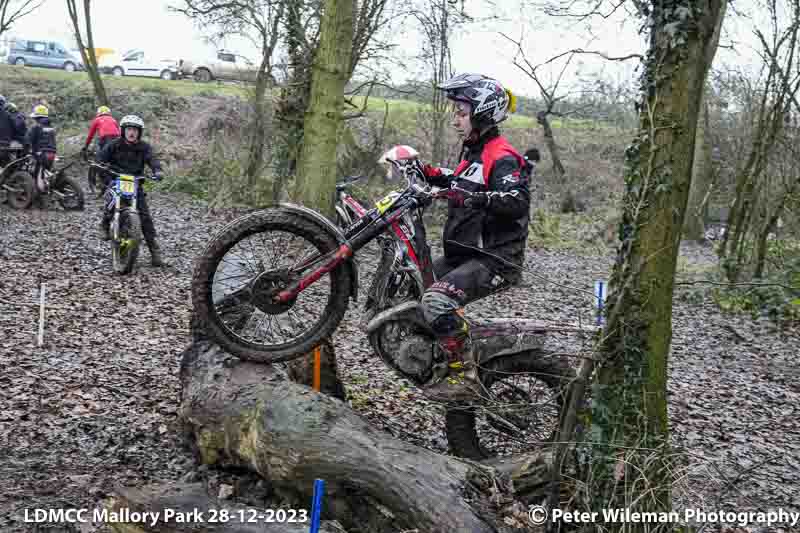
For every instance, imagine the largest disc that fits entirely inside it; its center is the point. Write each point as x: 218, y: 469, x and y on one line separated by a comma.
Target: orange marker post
x: 317, y: 365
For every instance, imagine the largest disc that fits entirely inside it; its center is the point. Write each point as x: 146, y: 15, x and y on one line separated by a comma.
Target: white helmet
x: 132, y: 121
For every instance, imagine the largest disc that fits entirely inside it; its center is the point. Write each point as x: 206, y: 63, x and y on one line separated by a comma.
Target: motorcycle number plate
x: 126, y: 184
x: 387, y: 201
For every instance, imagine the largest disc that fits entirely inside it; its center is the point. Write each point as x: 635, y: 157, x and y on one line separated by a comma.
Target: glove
x: 477, y: 200
x: 427, y: 170
x: 470, y: 200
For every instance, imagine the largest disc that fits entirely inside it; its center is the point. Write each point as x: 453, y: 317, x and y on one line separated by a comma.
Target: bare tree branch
x: 9, y: 15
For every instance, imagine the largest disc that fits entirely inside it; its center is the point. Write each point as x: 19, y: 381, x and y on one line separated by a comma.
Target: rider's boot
x: 461, y: 383
x: 155, y: 253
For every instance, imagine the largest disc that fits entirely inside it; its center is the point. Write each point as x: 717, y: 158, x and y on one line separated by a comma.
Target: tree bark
x: 629, y: 424
x: 316, y: 171
x: 549, y: 139
x: 87, y: 49
x: 248, y: 415
x: 694, y: 225
x: 258, y: 131
x: 293, y: 101
x: 769, y: 227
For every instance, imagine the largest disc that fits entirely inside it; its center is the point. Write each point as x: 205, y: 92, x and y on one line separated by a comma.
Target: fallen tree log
x: 248, y: 415
x: 184, y: 508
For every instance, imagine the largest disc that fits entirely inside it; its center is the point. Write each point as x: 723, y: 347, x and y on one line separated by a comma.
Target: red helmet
x: 489, y: 100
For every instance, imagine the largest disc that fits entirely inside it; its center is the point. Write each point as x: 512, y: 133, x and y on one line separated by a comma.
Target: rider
x: 6, y: 131
x: 41, y: 140
x: 18, y: 119
x: 129, y: 154
x: 487, y: 224
x: 104, y: 126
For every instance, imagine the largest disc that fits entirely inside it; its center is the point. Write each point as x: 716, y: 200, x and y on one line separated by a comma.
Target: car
x: 52, y: 54
x: 138, y: 63
x: 225, y: 66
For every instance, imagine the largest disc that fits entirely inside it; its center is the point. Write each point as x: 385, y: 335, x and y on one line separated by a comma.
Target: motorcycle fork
x: 344, y: 252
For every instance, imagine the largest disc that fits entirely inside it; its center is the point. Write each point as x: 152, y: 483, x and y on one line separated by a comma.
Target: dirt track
x: 96, y: 405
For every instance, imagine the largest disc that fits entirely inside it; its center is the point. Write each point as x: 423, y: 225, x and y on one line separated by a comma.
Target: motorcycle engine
x: 414, y: 358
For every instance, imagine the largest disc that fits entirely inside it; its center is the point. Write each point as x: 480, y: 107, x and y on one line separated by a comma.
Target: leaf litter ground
x: 97, y: 404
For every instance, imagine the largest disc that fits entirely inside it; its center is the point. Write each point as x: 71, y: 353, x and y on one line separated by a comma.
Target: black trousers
x: 457, y: 284
x: 44, y: 160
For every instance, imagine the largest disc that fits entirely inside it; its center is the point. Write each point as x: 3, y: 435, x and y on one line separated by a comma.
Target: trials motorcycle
x: 126, y: 227
x: 271, y: 285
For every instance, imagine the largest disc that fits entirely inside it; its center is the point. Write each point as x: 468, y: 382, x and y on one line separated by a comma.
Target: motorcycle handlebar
x: 109, y: 169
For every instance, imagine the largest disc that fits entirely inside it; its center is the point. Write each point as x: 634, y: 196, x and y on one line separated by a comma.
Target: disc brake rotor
x: 264, y: 289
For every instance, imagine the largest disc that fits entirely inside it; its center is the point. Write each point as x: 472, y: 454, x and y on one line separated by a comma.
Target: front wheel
x: 19, y: 189
x: 72, y: 199
x: 117, y: 71
x: 203, y: 75
x: 166, y: 75
x: 125, y: 248
x: 69, y: 67
x: 250, y: 261
x: 524, y: 394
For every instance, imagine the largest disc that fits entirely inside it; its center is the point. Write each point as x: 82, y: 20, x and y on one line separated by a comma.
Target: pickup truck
x: 225, y: 66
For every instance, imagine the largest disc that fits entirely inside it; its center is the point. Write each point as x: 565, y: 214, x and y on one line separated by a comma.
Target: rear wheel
x: 117, y: 71
x: 524, y: 393
x: 19, y: 189
x: 203, y: 75
x: 125, y: 250
x: 69, y: 67
x: 250, y: 261
x: 20, y: 62
x: 166, y: 75
x: 73, y: 195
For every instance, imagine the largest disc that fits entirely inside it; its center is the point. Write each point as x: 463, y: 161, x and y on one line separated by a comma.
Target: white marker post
x: 41, y: 315
x: 600, y: 290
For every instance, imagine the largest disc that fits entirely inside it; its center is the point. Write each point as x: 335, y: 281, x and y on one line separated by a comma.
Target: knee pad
x: 439, y: 311
x: 450, y: 325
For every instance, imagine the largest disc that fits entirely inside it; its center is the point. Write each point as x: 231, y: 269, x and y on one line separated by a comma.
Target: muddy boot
x: 105, y: 230
x: 155, y: 253
x: 461, y: 383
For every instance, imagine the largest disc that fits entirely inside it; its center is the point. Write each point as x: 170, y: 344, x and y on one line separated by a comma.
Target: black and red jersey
x: 490, y: 165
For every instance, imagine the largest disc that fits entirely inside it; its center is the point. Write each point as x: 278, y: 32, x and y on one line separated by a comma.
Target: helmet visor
x: 460, y: 109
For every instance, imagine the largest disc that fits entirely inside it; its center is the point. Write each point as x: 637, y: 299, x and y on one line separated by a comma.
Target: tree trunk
x: 694, y: 225
x: 439, y: 103
x: 248, y: 415
x: 258, y: 131
x: 86, y: 50
x: 558, y: 168
x: 629, y: 397
x: 292, y: 104
x: 94, y: 71
x: 316, y: 171
x: 769, y: 227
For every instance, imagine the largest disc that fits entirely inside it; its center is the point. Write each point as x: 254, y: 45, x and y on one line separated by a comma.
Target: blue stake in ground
x: 316, y: 505
x: 600, y: 289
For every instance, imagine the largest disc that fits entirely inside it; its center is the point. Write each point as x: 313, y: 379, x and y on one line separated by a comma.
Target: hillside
x: 96, y: 405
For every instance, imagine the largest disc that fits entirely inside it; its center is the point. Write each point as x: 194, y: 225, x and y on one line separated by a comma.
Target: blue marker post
x: 316, y: 504
x: 600, y: 298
